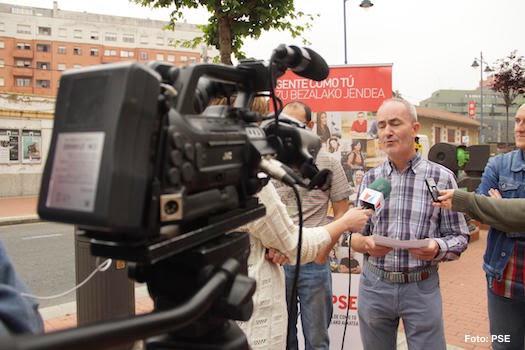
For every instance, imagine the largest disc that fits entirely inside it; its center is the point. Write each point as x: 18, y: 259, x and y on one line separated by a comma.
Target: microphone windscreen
x: 381, y: 185
x: 317, y: 69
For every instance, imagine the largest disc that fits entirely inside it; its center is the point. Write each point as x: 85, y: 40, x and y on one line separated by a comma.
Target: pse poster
x: 344, y: 107
x: 9, y: 146
x: 31, y: 146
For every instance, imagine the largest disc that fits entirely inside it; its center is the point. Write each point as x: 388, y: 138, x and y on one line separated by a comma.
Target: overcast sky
x: 431, y: 43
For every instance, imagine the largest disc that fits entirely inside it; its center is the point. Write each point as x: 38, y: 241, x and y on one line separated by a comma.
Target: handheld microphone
x: 373, y: 197
x: 303, y: 61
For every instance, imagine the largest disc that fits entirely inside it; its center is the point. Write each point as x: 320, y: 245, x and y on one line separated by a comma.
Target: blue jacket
x: 505, y: 172
x: 18, y: 314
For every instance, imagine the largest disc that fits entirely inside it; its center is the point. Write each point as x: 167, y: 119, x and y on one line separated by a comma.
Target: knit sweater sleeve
x: 503, y: 214
x: 277, y: 230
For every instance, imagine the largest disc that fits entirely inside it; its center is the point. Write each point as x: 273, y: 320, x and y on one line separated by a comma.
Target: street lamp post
x: 364, y: 4
x: 475, y: 64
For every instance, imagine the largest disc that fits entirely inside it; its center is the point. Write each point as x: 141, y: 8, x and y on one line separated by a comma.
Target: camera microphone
x: 278, y: 171
x: 373, y: 197
x: 303, y: 61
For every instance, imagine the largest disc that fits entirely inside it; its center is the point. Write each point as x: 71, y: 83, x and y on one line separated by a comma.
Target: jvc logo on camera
x: 500, y: 338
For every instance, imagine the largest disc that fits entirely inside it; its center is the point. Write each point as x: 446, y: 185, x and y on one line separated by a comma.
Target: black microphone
x: 303, y: 61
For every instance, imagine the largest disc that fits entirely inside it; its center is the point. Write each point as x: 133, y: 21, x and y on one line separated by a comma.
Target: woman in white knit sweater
x: 267, y: 327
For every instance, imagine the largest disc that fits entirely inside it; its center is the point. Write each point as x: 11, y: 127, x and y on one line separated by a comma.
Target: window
x: 23, y: 46
x: 160, y: 41
x: 44, y: 31
x: 43, y: 83
x: 23, y: 29
x: 61, y: 66
x: 110, y: 37
x: 62, y: 32
x: 43, y: 65
x: 143, y: 55
x: 110, y: 52
x: 160, y: 57
x: 124, y: 53
x: 2, y: 63
x: 77, y: 33
x: 77, y: 51
x: 22, y: 11
x: 2, y: 45
x: 93, y: 36
x: 2, y: 82
x: 22, y: 82
x: 2, y: 27
x: 93, y: 52
x: 171, y: 58
x: 437, y: 134
x: 184, y: 58
x: 128, y: 38
x: 62, y: 50
x: 193, y: 59
x: 451, y: 135
x: 144, y: 39
x: 23, y: 63
x: 42, y: 47
x: 77, y: 66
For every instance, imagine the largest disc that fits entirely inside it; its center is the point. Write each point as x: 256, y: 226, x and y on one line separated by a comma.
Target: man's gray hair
x: 409, y: 107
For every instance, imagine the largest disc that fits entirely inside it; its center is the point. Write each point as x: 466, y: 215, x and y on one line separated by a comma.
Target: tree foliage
x: 231, y: 21
x: 509, y: 80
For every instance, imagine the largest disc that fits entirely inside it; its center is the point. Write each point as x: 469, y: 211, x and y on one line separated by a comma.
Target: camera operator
x: 268, y: 324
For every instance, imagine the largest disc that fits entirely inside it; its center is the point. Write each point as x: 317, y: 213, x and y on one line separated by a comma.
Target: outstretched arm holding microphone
x: 503, y: 214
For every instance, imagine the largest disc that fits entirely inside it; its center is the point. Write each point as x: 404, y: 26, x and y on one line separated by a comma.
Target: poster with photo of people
x: 9, y: 146
x: 351, y: 137
x: 31, y: 146
x: 344, y: 109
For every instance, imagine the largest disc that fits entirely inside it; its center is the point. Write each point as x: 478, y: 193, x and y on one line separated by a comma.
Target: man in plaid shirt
x: 404, y: 283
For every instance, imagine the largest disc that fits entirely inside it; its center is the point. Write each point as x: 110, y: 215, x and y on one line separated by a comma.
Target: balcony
x: 23, y: 71
x: 42, y: 74
x: 23, y: 53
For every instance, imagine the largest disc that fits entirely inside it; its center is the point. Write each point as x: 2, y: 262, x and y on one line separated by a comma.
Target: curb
x: 15, y: 220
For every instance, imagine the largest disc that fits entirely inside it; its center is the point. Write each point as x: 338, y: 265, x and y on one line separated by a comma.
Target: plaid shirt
x: 512, y: 284
x: 408, y: 214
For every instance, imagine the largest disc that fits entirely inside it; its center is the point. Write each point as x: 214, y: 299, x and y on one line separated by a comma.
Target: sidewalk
x: 14, y: 210
x: 462, y: 285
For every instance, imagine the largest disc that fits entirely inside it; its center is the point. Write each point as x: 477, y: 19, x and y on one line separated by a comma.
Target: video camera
x: 153, y: 174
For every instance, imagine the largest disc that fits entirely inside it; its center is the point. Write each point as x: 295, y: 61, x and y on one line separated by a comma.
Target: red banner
x: 346, y: 88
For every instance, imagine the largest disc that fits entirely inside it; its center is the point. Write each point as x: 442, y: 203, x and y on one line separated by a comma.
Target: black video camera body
x: 134, y: 149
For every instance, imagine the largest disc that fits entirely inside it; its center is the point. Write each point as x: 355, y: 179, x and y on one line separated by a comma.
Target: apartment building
x: 468, y: 103
x: 38, y: 44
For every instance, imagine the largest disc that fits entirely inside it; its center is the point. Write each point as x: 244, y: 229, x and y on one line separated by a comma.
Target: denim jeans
x: 507, y: 318
x: 381, y: 304
x: 314, y: 291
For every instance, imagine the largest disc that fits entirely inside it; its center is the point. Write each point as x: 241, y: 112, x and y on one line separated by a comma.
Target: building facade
x: 494, y: 129
x: 37, y: 45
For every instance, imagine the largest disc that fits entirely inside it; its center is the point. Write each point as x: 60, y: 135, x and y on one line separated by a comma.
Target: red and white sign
x: 472, y: 109
x: 347, y: 88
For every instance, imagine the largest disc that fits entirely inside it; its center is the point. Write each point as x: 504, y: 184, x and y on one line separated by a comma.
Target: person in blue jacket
x: 504, y: 259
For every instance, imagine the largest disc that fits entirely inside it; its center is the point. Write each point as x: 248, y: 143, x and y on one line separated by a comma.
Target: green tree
x: 231, y: 21
x: 509, y: 80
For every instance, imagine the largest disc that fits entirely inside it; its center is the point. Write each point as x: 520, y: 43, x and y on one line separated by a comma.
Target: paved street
x: 44, y: 257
